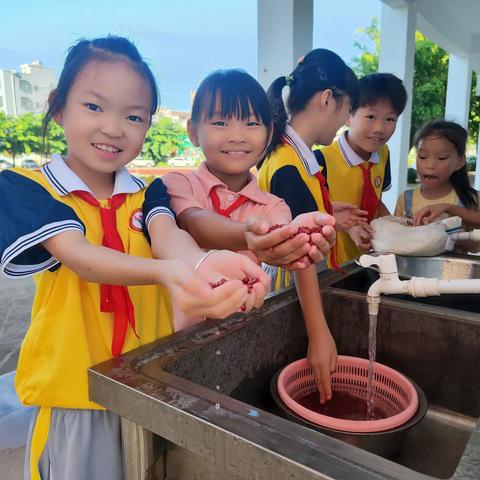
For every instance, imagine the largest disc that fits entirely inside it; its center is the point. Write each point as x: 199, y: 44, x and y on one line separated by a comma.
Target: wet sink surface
x: 219, y: 373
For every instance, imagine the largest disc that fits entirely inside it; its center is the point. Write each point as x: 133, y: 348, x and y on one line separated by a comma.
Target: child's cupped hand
x: 430, y: 213
x: 237, y: 269
x: 320, y: 227
x: 347, y: 215
x: 275, y: 244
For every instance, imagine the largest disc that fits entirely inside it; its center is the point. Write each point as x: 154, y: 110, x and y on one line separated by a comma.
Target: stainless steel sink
x: 206, y: 390
x: 445, y: 267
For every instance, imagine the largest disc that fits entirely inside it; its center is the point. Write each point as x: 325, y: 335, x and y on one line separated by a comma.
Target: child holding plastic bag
x: 445, y: 189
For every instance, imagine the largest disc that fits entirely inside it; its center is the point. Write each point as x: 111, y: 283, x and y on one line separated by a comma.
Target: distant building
x: 26, y: 91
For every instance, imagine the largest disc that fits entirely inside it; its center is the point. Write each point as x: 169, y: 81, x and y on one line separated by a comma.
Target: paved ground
x: 15, y: 304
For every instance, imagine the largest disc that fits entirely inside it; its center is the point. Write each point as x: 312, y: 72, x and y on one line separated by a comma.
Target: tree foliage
x: 23, y: 135
x: 429, y: 80
x: 163, y: 140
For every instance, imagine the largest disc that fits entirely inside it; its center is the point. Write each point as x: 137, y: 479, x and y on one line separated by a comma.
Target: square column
x: 285, y: 33
x: 457, y: 104
x: 397, y: 53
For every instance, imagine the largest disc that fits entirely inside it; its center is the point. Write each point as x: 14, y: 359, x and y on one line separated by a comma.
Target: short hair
x: 382, y: 86
x: 239, y: 95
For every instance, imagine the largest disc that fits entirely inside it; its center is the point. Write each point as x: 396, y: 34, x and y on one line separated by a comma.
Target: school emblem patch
x: 378, y: 180
x: 136, y: 220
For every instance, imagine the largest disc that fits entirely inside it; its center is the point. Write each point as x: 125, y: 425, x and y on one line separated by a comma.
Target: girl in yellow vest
x: 444, y: 185
x: 87, y: 229
x: 321, y: 91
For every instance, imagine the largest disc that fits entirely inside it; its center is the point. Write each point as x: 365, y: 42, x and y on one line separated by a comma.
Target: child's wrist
x: 203, y: 258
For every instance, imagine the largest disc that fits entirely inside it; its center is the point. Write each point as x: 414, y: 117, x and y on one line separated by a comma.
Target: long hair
x: 457, y: 136
x: 319, y: 70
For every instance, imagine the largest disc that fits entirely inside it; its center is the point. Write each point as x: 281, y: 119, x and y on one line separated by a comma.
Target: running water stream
x: 372, y: 351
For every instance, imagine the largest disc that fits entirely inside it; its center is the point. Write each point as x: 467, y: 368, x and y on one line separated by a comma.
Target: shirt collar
x: 350, y: 156
x: 64, y: 180
x: 250, y: 190
x: 301, y: 148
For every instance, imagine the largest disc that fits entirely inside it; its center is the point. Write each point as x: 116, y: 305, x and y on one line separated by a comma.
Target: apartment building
x: 26, y: 91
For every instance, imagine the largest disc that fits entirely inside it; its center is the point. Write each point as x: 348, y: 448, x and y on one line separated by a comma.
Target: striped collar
x: 63, y: 180
x: 305, y: 154
x: 352, y: 159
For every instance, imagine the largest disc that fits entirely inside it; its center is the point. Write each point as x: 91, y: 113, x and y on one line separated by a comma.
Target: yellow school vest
x: 68, y: 333
x: 285, y: 155
x: 345, y: 184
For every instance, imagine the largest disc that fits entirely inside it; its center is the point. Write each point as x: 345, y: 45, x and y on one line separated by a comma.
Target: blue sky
x: 183, y: 40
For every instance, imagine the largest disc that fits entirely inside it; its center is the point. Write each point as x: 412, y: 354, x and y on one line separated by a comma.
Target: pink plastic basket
x: 393, y: 392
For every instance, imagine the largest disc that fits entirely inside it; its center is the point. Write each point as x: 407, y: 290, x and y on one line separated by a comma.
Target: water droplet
x: 218, y: 387
x: 217, y: 331
x: 218, y: 352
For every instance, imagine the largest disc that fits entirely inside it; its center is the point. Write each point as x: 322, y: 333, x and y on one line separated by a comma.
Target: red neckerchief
x: 113, y: 298
x: 225, y: 211
x: 369, y: 200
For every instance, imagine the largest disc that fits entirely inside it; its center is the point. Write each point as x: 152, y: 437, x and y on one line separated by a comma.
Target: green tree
x: 20, y: 135
x: 54, y: 141
x: 163, y: 140
x: 429, y: 80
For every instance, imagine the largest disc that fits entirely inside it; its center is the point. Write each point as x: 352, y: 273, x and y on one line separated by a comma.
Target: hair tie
x: 289, y: 80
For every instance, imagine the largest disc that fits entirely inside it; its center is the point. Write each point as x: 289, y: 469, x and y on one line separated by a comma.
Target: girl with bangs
x: 221, y: 205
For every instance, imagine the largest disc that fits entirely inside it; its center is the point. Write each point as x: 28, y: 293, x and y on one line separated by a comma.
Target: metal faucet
x: 390, y: 283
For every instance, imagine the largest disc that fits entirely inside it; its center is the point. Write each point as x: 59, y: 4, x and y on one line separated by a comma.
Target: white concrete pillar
x: 457, y: 104
x: 285, y: 33
x: 397, y: 52
x: 477, y: 168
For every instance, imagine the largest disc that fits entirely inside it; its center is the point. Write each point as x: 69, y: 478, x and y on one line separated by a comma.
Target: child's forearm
x: 382, y: 210
x: 211, y: 230
x: 170, y: 242
x: 308, y: 291
x: 98, y: 264
x: 467, y: 215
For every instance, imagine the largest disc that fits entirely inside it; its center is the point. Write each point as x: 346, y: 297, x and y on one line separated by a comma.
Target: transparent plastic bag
x: 396, y: 235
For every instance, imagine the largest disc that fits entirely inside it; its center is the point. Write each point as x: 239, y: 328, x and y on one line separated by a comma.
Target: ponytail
x: 319, y: 70
x: 279, y: 113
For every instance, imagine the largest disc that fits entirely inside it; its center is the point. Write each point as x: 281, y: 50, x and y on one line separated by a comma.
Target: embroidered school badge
x: 378, y: 180
x: 136, y: 220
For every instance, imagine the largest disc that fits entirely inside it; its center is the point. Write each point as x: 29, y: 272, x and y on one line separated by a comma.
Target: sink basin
x: 444, y: 267
x: 206, y: 390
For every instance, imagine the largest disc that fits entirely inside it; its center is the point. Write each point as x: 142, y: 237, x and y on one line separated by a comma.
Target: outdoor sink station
x: 206, y: 390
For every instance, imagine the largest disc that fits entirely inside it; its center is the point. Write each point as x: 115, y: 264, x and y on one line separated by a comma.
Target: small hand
x: 322, y: 358
x: 193, y: 295
x: 430, y: 213
x: 322, y: 234
x: 347, y: 215
x: 362, y: 236
x: 280, y: 246
x: 224, y: 264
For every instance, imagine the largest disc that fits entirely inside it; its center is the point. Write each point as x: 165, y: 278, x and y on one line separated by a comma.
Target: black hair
x: 319, y: 70
x: 382, y: 86
x: 105, y: 49
x: 457, y: 136
x: 239, y: 94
